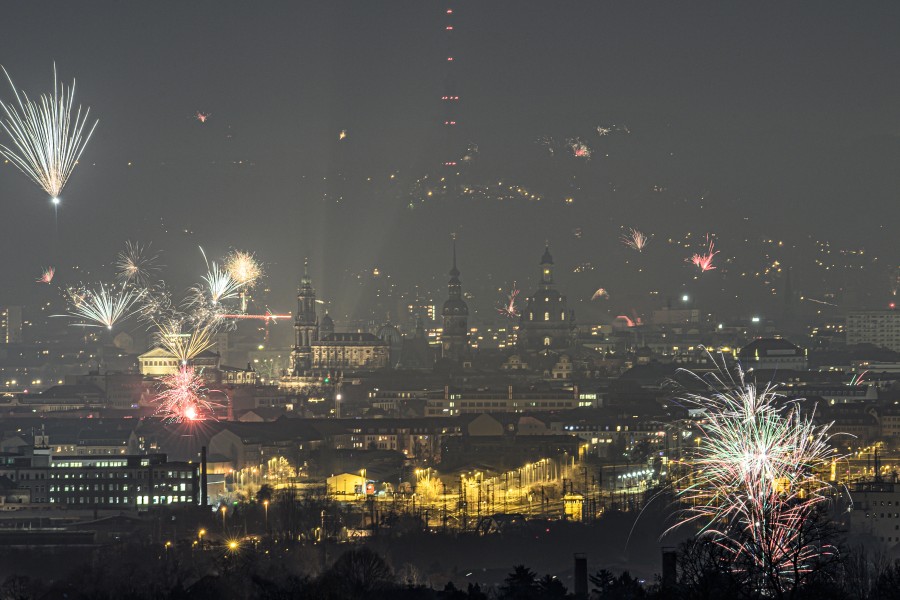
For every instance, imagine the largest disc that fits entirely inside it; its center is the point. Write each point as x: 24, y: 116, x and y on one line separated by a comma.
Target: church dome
x: 546, y: 296
x: 390, y: 335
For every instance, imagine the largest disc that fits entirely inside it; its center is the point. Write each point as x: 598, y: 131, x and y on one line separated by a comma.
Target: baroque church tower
x: 546, y: 323
x: 455, y: 333
x: 306, y: 325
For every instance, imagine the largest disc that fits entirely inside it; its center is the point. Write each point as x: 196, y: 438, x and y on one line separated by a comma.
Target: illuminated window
x: 562, y: 316
x: 546, y: 341
x: 546, y: 316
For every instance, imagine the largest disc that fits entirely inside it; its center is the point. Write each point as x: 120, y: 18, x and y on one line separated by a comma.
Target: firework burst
x: 754, y: 480
x: 243, y: 268
x: 184, y: 397
x: 47, y: 140
x: 600, y: 293
x: 218, y: 286
x: 136, y: 263
x: 46, y: 275
x: 185, y: 345
x: 509, y: 308
x: 104, y: 306
x: 579, y: 149
x: 635, y: 239
x: 704, y: 261
x: 157, y: 305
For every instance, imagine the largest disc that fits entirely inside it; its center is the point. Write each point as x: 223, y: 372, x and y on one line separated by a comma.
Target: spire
x: 454, y: 272
x: 547, y: 259
x: 305, y: 280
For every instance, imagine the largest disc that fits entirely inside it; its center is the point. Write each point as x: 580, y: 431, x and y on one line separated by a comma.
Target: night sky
x: 758, y: 122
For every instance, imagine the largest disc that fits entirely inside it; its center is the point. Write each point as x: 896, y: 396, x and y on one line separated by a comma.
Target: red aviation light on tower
x: 449, y: 11
x: 449, y: 28
x: 449, y: 59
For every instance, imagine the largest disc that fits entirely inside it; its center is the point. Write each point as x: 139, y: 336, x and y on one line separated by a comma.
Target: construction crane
x: 268, y: 317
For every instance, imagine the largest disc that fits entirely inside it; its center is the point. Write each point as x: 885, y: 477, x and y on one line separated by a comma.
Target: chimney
x: 669, y: 567
x: 581, y: 577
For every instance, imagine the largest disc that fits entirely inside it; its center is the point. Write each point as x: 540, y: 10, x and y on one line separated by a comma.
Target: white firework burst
x: 104, y: 306
x: 47, y: 139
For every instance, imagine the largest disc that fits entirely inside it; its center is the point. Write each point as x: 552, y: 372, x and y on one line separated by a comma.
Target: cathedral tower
x: 306, y: 324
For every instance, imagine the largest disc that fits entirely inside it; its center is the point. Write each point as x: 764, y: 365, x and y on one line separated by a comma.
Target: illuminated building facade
x: 158, y: 362
x: 349, y: 351
x: 11, y: 324
x: 877, y: 327
x: 123, y: 482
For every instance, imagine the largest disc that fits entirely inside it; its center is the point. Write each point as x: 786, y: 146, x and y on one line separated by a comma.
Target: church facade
x: 318, y: 348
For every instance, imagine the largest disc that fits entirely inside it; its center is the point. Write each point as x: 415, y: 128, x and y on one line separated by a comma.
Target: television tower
x: 450, y: 98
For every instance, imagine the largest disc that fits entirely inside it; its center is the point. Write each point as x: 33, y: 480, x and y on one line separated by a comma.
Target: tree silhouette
x: 360, y: 572
x: 520, y: 584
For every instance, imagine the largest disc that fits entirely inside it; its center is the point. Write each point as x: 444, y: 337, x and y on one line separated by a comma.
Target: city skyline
x: 267, y: 172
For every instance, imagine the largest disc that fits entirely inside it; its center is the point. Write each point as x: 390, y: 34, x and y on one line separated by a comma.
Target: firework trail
x: 628, y: 321
x: 858, y: 378
x: 753, y: 482
x: 704, y: 261
x: 47, y: 140
x: 600, y: 293
x: 819, y: 301
x: 135, y: 264
x: 184, y: 397
x: 342, y: 135
x: 104, y: 307
x: 509, y: 309
x: 635, y: 239
x: 46, y: 275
